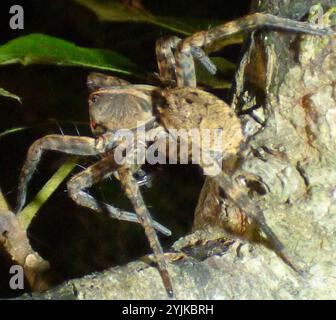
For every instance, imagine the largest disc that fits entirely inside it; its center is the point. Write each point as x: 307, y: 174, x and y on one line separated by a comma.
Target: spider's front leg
x: 67, y: 144
x: 190, y: 46
x: 132, y: 191
x: 83, y: 146
x: 92, y: 175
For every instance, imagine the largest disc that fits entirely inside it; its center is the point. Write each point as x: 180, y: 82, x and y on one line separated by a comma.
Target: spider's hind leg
x: 238, y: 195
x: 164, y: 49
x: 171, y: 59
x: 191, y: 46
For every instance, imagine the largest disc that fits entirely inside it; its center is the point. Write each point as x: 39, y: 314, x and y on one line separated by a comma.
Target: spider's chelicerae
x: 116, y: 104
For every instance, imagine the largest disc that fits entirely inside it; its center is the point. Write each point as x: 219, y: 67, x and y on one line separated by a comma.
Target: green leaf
x: 28, y: 213
x: 116, y: 11
x: 44, y: 49
x: 8, y: 94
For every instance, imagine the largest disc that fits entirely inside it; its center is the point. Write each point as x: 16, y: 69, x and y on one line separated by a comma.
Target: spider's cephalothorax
x: 117, y: 108
x: 116, y: 104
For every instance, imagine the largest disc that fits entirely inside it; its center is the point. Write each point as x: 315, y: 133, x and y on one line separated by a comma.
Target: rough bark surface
x: 294, y: 157
x: 14, y: 240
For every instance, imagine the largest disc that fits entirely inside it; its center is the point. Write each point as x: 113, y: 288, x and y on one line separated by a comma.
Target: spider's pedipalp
x: 143, y: 179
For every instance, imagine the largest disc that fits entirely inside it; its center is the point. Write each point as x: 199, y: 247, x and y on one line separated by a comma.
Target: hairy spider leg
x: 165, y: 54
x: 132, y: 191
x: 96, y: 80
x: 141, y: 97
x: 164, y: 49
x: 96, y: 173
x: 234, y: 192
x: 83, y: 146
x: 187, y: 48
x: 238, y: 194
x: 67, y: 144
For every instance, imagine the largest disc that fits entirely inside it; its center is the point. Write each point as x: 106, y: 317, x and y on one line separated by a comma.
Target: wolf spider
x: 178, y: 104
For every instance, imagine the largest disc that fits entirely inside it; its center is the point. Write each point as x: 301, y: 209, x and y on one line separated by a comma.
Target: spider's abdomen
x: 191, y: 108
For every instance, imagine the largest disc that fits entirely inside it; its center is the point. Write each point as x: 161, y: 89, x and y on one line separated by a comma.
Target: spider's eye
x: 94, y: 98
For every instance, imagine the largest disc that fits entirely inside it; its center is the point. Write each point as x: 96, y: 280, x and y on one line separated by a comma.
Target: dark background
x: 75, y: 240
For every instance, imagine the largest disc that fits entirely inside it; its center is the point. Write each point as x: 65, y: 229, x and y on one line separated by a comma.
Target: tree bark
x: 292, y: 80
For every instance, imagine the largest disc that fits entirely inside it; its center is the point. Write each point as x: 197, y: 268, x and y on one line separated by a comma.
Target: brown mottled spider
x: 116, y: 104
